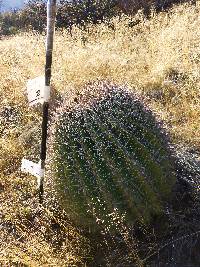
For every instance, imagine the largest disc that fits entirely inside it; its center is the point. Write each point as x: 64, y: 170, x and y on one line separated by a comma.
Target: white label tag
x: 37, y: 91
x: 32, y: 168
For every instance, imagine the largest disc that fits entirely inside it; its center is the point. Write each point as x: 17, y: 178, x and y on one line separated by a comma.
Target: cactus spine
x: 109, y: 152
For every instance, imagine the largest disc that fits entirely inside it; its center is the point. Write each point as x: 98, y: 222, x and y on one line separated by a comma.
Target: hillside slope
x: 158, y: 57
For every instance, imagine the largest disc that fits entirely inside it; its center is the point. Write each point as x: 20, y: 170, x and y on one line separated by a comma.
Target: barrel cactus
x: 109, y: 153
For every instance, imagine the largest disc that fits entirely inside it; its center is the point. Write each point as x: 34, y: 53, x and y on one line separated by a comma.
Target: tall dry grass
x: 159, y: 57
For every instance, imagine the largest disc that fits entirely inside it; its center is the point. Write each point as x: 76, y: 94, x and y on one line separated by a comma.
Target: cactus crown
x: 110, y: 153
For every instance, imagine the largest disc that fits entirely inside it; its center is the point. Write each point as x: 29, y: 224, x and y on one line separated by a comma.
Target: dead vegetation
x: 159, y: 57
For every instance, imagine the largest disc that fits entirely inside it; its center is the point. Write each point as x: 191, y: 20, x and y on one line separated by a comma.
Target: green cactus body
x: 109, y: 153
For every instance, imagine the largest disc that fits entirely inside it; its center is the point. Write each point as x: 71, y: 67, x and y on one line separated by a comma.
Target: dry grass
x: 159, y: 57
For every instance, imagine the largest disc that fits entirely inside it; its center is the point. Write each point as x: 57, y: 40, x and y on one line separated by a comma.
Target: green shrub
x: 109, y: 154
x: 9, y: 23
x: 69, y: 13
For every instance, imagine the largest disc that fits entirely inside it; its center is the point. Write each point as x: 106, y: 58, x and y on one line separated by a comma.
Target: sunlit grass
x: 159, y: 57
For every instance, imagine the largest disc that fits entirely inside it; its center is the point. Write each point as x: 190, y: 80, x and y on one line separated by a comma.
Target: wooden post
x: 51, y: 15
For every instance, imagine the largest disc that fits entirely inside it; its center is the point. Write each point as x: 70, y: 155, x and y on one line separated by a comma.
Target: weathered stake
x: 51, y: 14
